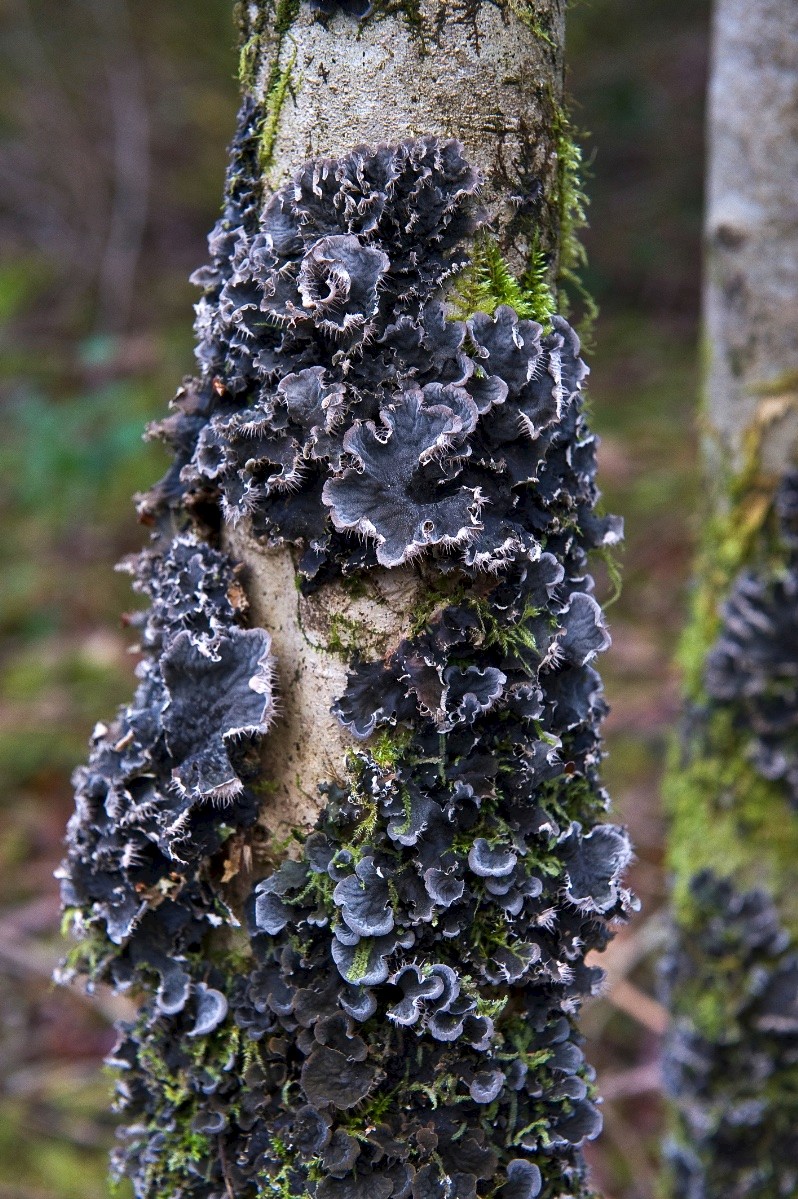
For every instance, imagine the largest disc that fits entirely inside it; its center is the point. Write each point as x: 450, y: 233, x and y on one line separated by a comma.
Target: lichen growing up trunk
x: 395, y: 1013
x: 731, y: 1062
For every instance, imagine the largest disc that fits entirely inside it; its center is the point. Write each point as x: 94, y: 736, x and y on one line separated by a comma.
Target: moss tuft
x: 279, y: 80
x: 487, y: 282
x: 276, y: 93
x: 248, y: 62
x: 346, y: 635
x: 728, y: 818
x: 529, y: 15
x: 572, y: 202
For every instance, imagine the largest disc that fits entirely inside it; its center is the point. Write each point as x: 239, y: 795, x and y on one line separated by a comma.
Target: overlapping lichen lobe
x: 396, y: 74
x: 312, y: 659
x: 423, y: 873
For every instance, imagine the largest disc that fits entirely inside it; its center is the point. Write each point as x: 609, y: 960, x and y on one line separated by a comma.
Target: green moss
x: 346, y: 635
x: 92, y: 948
x: 529, y: 15
x: 372, y: 1110
x: 273, y: 106
x: 389, y: 747
x: 183, y: 1148
x: 487, y: 282
x: 536, y: 286
x: 356, y: 585
x: 360, y: 960
x: 285, y: 14
x: 739, y: 532
x: 515, y: 638
x: 248, y: 56
x: 724, y: 815
x: 572, y: 205
x: 783, y: 384
x: 278, y: 84
x: 727, y: 818
x: 442, y: 592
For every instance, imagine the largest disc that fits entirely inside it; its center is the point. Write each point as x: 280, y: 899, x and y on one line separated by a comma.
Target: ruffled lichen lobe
x: 332, y: 75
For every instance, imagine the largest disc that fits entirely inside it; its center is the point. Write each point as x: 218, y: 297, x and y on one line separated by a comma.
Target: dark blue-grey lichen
x: 168, y: 779
x: 753, y: 667
x: 731, y: 1064
x: 731, y: 1059
x: 353, y: 8
x: 407, y: 1023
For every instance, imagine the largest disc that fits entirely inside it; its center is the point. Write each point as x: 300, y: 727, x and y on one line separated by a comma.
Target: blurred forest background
x: 114, y: 117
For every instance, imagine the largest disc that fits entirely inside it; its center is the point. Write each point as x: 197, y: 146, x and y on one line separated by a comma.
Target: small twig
x: 639, y: 1080
x: 626, y: 997
x: 228, y: 1185
x: 618, y: 963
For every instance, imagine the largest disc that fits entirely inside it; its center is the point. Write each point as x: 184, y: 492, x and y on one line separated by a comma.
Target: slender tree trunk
x: 732, y: 1060
x: 367, y: 676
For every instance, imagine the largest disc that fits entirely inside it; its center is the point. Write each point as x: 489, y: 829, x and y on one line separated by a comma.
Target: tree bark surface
x: 751, y: 292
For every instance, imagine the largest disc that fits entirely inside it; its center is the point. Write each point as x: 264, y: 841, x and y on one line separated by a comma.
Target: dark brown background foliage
x: 114, y: 115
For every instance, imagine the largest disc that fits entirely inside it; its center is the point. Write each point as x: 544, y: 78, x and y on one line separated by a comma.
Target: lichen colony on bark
x: 400, y: 1017
x: 732, y: 1057
x: 731, y: 976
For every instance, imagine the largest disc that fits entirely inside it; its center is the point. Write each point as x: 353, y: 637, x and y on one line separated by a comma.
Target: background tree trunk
x: 751, y: 289
x: 733, y: 972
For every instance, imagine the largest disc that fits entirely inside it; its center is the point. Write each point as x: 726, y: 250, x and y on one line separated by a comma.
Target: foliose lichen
x: 406, y: 1025
x: 731, y: 1058
x: 753, y: 665
x: 168, y: 780
x: 732, y: 973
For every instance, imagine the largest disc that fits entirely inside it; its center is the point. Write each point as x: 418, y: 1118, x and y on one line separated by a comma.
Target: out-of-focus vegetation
x: 114, y: 122
x: 115, y: 117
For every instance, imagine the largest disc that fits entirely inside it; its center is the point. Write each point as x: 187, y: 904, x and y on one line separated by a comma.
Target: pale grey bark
x: 490, y: 75
x: 751, y: 294
x: 475, y: 71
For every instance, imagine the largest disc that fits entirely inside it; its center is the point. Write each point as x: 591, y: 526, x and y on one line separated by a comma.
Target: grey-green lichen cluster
x: 732, y: 974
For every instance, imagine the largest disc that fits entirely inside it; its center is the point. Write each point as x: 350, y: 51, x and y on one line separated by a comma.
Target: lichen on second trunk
x: 731, y: 1061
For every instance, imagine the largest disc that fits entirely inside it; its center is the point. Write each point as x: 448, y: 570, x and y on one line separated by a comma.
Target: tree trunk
x: 733, y: 973
x: 751, y: 291
x: 367, y: 657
